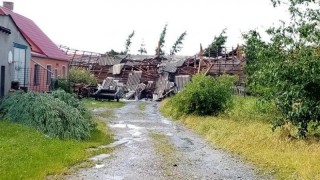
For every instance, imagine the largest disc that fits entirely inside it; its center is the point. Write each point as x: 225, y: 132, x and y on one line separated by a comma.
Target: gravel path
x: 151, y: 147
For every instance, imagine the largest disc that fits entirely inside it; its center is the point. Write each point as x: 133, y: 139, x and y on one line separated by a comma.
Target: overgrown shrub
x: 81, y: 75
x: 64, y: 84
x: 71, y: 100
x: 55, y: 117
x: 205, y: 95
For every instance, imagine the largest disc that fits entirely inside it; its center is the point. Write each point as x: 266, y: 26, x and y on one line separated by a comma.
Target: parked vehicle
x: 109, y: 94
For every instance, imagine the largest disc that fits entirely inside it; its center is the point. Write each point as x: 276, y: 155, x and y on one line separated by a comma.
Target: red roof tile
x: 39, y: 40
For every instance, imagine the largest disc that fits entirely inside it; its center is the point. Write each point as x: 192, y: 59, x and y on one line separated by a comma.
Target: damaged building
x: 154, y: 77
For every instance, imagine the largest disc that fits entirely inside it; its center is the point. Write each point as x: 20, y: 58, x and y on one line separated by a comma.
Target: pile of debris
x: 154, y: 77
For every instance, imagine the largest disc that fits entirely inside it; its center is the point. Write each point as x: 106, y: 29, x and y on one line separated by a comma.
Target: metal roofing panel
x: 181, y: 81
x: 109, y: 60
x: 134, y: 79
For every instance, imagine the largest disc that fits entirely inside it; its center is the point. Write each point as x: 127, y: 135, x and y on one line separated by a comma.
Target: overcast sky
x: 101, y: 25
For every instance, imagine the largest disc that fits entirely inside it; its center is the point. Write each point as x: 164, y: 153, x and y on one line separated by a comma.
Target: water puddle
x: 121, y: 125
x: 135, y: 133
x: 112, y: 177
x: 169, y: 134
x: 116, y: 143
x: 98, y: 166
x: 165, y: 121
x: 99, y: 110
x: 99, y: 157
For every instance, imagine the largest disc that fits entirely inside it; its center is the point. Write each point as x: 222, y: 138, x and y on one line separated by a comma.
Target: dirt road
x: 151, y: 147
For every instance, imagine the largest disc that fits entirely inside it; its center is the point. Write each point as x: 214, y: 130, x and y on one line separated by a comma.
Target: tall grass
x: 246, y: 130
x: 28, y: 154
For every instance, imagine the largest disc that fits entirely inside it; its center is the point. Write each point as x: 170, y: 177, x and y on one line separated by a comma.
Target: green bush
x: 54, y: 115
x: 71, y: 100
x: 64, y: 84
x: 205, y: 95
x: 81, y: 75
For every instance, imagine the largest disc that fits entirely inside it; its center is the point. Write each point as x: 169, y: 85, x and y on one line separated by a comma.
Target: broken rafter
x: 200, y: 54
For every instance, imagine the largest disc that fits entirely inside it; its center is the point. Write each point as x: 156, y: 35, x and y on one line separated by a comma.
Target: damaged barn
x: 153, y: 77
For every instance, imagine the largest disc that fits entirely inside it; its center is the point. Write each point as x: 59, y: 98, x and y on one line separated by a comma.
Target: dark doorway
x: 2, y: 80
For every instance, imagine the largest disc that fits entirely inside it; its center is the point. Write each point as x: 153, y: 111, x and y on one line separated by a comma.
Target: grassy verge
x: 28, y: 154
x: 142, y: 106
x: 91, y: 103
x: 166, y: 152
x: 246, y: 130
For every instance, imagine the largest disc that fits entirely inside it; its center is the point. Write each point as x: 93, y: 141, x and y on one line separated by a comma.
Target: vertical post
x: 225, y: 52
x: 225, y: 59
x: 200, y: 61
x: 158, y: 49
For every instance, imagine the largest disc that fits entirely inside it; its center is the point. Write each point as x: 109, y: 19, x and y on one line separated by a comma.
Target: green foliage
x: 205, y: 95
x: 81, y: 75
x: 54, y: 115
x: 215, y: 48
x: 287, y: 68
x: 162, y: 41
x: 128, y: 43
x: 177, y: 46
x: 114, y: 53
x: 62, y: 83
x: 72, y: 101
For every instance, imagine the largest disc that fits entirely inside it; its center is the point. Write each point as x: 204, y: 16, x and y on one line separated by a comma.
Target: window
x: 55, y: 73
x: 49, y: 74
x: 64, y: 71
x: 19, y: 59
x: 36, y: 74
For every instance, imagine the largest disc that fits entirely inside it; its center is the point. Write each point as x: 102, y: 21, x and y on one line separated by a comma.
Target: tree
x: 287, y: 68
x: 114, y: 53
x: 177, y: 46
x: 215, y: 48
x: 162, y: 41
x: 142, y: 49
x: 128, y: 43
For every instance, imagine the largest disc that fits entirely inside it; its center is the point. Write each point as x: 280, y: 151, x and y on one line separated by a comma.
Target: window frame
x: 36, y: 76
x: 49, y: 74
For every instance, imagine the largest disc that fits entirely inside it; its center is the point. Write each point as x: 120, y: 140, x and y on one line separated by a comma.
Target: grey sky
x: 99, y: 25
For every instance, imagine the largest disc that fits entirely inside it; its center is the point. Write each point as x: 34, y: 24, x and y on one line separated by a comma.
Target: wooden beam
x: 200, y: 61
x: 208, y: 70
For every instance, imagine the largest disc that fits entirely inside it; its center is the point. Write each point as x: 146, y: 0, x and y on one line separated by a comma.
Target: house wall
x: 43, y: 84
x: 7, y: 45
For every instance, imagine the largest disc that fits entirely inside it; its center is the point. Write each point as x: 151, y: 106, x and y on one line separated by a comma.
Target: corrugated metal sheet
x: 132, y: 63
x: 109, y: 60
x: 181, y: 81
x: 116, y: 69
x: 170, y: 67
x: 162, y: 84
x: 107, y: 83
x: 134, y: 79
